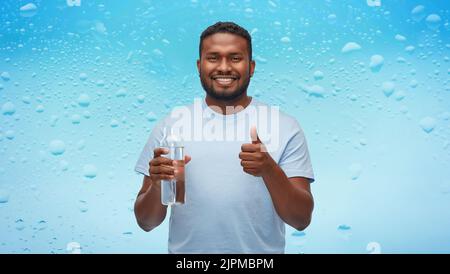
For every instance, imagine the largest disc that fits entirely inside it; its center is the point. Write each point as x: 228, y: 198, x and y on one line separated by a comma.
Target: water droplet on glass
x: 332, y: 18
x: 355, y: 170
x: 81, y: 144
x: 151, y: 117
x: 375, y: 3
x: 83, y: 206
x: 261, y: 59
x: 410, y: 49
x: 100, y: 83
x: 5, y: 76
x: 8, y: 108
x: 41, y: 225
x: 445, y: 116
x: 344, y: 228
x: 404, y: 109
x: 399, y: 95
x: 141, y: 98
x: 28, y: 10
x: 388, y: 88
x: 373, y: 248
x: 427, y: 124
x: 26, y: 99
x: 318, y: 75
x: 350, y: 47
x: 19, y: 224
x: 53, y: 120
x: 73, y: 248
x: 83, y: 76
x: 400, y: 38
x: 57, y: 147
x: 285, y: 40
x: 75, y: 118
x: 158, y: 52
x: 433, y: 21
x: 40, y: 108
x: 376, y: 62
x: 64, y: 165
x: 273, y: 4
x: 86, y: 114
x: 90, y: 171
x: 4, y: 196
x: 418, y: 13
x: 84, y: 100
x: 121, y: 92
x: 316, y: 91
x: 114, y: 123
x: 9, y: 134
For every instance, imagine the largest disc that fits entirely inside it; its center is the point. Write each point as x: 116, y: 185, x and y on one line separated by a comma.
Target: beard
x: 224, y: 95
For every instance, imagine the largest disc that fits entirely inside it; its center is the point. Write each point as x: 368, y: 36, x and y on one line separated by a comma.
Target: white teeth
x: 224, y: 81
x: 224, y: 77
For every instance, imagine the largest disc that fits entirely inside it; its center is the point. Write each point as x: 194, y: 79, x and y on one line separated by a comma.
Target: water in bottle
x: 173, y: 191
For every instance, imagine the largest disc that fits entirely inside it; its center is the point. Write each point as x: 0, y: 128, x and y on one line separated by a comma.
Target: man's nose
x: 224, y: 65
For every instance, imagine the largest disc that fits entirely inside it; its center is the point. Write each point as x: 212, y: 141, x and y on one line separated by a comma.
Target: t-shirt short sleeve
x: 143, y: 163
x: 295, y: 160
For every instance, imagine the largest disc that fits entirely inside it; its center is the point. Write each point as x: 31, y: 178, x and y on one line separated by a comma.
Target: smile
x: 224, y: 80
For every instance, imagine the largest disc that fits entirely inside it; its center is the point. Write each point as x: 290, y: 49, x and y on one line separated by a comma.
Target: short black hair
x: 227, y: 27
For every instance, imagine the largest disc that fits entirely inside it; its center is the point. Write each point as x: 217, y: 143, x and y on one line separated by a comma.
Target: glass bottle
x: 173, y: 190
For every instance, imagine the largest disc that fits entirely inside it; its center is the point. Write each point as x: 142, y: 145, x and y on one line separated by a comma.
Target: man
x: 239, y: 195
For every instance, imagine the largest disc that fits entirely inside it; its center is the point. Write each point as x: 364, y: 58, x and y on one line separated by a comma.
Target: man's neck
x: 234, y: 106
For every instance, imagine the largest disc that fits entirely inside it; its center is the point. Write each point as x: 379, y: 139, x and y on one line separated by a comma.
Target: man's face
x: 224, y: 66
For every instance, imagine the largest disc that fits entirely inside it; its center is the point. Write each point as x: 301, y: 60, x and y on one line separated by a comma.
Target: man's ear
x: 252, y: 67
x: 198, y: 66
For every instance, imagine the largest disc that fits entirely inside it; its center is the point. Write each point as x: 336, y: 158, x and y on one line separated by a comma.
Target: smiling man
x: 225, y: 67
x: 239, y: 193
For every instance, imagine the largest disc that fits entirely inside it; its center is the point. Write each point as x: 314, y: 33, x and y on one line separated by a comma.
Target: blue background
x: 81, y: 87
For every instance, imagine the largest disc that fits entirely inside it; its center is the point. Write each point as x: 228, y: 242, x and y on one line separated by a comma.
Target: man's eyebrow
x: 216, y: 53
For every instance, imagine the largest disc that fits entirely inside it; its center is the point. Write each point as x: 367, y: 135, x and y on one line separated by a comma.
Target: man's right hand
x: 162, y: 168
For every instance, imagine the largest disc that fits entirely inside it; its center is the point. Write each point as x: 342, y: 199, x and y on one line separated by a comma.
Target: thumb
x: 187, y: 159
x: 254, y: 135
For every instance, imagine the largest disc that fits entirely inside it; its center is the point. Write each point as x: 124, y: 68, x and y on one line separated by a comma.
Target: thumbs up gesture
x: 254, y: 158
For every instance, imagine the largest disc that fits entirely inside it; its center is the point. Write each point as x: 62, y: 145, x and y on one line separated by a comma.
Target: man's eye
x: 211, y: 58
x: 236, y: 59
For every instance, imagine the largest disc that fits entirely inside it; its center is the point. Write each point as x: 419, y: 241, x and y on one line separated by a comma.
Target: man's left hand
x: 255, y: 159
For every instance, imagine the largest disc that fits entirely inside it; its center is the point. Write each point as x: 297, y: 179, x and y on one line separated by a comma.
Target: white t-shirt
x: 226, y: 209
